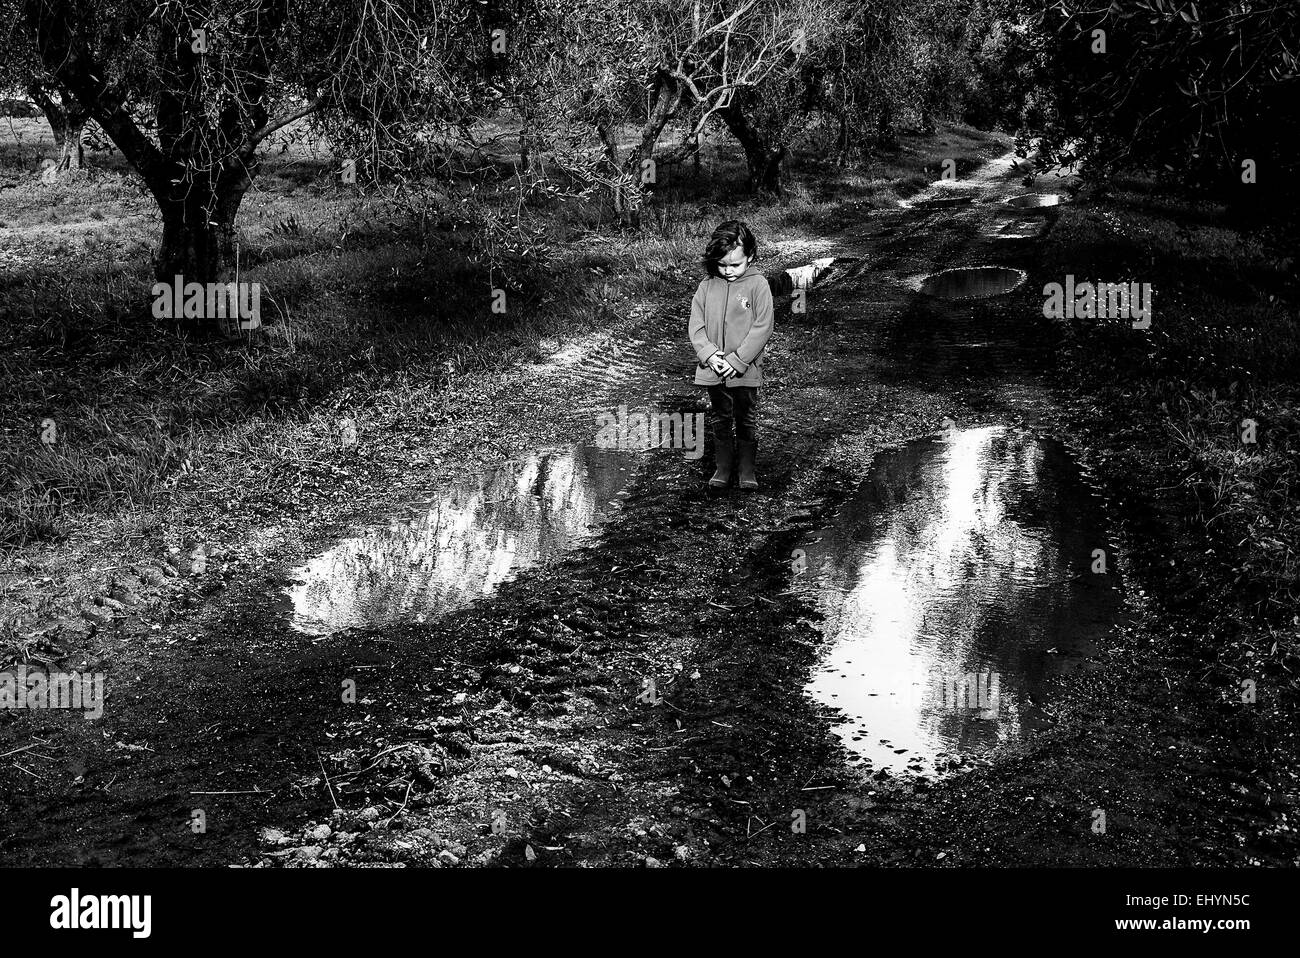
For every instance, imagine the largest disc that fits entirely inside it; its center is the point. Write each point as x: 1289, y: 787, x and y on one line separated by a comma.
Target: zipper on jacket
x: 723, y: 347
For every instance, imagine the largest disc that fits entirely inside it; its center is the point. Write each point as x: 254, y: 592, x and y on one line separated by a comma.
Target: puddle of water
x: 975, y: 282
x: 955, y: 585
x: 1033, y: 201
x: 449, y: 552
x: 801, y: 277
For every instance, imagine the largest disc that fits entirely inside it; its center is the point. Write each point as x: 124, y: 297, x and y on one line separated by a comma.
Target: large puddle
x: 448, y: 552
x: 956, y: 584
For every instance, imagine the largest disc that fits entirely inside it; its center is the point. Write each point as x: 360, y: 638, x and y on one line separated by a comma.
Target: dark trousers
x: 738, y: 404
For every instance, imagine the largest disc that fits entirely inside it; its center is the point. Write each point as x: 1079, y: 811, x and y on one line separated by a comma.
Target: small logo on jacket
x: 743, y: 301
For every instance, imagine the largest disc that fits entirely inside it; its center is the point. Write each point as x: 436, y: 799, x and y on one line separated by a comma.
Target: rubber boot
x: 748, y: 449
x: 723, y: 455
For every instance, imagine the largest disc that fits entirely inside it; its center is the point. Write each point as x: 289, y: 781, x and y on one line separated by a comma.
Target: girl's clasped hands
x: 719, y: 364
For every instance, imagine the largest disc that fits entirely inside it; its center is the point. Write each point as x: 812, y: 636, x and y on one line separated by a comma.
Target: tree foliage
x: 1190, y: 90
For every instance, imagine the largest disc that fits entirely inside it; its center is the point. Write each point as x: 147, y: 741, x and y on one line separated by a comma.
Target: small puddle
x: 446, y: 553
x: 956, y: 584
x: 801, y: 277
x: 973, y: 282
x: 1033, y: 201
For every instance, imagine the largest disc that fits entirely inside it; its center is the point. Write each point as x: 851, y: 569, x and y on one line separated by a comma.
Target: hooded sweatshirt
x: 735, y: 319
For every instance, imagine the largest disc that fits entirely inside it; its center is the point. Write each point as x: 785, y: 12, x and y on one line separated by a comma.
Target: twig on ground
x: 405, y: 799
x: 328, y: 786
x: 760, y: 831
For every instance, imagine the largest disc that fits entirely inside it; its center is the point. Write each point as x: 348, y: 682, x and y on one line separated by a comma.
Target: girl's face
x: 731, y: 266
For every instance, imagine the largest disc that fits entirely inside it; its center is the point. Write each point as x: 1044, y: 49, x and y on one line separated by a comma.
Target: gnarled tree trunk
x: 67, y: 122
x: 626, y: 177
x: 199, y: 229
x: 762, y: 157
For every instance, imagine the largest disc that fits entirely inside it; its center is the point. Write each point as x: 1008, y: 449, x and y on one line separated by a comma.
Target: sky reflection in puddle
x: 482, y: 531
x: 955, y: 584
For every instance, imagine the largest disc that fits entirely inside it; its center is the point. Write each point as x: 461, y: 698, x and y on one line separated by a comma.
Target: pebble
x: 320, y: 833
x: 446, y: 857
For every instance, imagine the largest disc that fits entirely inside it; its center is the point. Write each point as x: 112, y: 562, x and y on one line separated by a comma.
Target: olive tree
x: 1201, y: 93
x: 702, y: 55
x: 21, y: 70
x: 189, y: 91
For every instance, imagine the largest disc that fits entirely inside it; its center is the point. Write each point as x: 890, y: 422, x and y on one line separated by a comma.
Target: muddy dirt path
x: 897, y: 652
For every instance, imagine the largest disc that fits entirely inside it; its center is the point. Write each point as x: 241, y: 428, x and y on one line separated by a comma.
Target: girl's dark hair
x: 725, y: 238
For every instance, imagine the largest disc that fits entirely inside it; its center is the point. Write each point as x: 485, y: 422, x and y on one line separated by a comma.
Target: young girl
x: 731, y: 319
